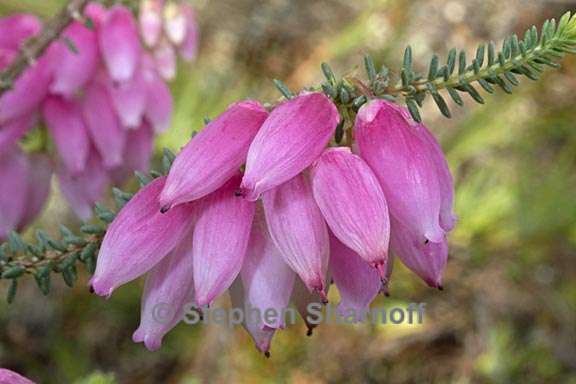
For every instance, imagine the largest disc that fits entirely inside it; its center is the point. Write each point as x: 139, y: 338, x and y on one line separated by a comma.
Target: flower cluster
x: 168, y: 27
x: 300, y: 215
x: 100, y: 95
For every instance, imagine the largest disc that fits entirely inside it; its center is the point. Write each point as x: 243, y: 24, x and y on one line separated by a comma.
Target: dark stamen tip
x: 91, y: 289
x: 440, y: 288
x: 310, y: 332
x: 164, y: 209
x: 238, y: 193
x: 267, y: 354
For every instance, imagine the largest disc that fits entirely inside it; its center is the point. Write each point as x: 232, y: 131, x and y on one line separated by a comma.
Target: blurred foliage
x: 508, y: 313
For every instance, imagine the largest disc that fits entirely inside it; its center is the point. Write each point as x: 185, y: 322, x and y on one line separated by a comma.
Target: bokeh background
x: 508, y: 311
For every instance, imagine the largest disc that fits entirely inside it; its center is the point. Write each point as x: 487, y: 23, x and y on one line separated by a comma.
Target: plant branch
x: 34, y: 48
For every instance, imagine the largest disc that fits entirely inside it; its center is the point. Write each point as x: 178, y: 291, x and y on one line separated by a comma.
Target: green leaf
x: 407, y: 62
x: 455, y: 96
x: 370, y: 68
x: 451, y: 60
x: 433, y: 69
x: 283, y: 88
x: 12, y: 291
x: 413, y: 109
x: 13, y: 272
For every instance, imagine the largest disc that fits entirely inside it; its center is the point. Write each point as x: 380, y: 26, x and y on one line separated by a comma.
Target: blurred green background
x: 508, y: 311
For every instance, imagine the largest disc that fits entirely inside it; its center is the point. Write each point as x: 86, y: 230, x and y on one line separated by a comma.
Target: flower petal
x: 120, y: 43
x: 103, y: 125
x: 39, y: 177
x: 214, y: 154
x: 12, y: 131
x: 299, y: 231
x: 14, y: 171
x: 138, y: 238
x: 169, y: 287
x: 353, y: 204
x: 73, y: 69
x: 357, y: 282
x: 221, y: 237
x: 129, y: 99
x: 15, y: 29
x: 293, y: 136
x: 66, y: 124
x: 266, y: 278
x: 401, y: 160
x: 159, y: 106
x: 150, y: 19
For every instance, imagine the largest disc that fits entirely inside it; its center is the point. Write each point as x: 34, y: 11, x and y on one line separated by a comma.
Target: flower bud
x: 151, y: 21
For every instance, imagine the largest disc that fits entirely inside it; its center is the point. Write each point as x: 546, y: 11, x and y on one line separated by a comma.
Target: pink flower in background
x: 10, y: 377
x: 168, y: 28
x: 101, y: 96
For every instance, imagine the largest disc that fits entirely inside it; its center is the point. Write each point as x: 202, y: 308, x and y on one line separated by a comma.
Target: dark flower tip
x: 91, y: 289
x: 440, y: 288
x: 238, y: 193
x: 267, y: 354
x: 165, y: 209
x: 309, y: 332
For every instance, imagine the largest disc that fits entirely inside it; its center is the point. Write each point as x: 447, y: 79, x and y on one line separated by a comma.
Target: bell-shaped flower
x: 189, y: 47
x: 102, y: 123
x: 447, y: 217
x: 293, y: 136
x: 427, y: 260
x: 13, y: 130
x: 39, y: 177
x: 299, y: 231
x: 129, y: 100
x: 84, y: 189
x: 27, y: 92
x: 14, y: 171
x: 174, y: 22
x: 165, y: 58
x: 159, y: 103
x: 120, y: 43
x: 16, y: 29
x: 66, y: 124
x: 137, y: 154
x: 221, y: 237
x: 138, y: 238
x: 262, y: 336
x: 266, y: 278
x: 150, y: 20
x: 74, y: 66
x: 96, y: 12
x: 353, y: 204
x: 401, y: 160
x: 357, y: 282
x: 214, y: 154
x: 168, y: 292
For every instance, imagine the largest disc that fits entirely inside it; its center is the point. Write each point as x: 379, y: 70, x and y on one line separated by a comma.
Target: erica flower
x: 168, y: 28
x: 291, y: 138
x: 405, y: 165
x: 100, y: 95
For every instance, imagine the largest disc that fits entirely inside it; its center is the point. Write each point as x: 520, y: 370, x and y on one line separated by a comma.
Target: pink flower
x: 84, y: 189
x: 158, y: 109
x: 175, y: 23
x: 151, y: 21
x: 39, y: 177
x: 73, y: 69
x: 138, y: 238
x: 120, y: 43
x: 10, y: 377
x: 402, y: 161
x: 293, y: 136
x: 353, y: 204
x: 213, y: 155
x: 129, y: 99
x: 189, y: 47
x: 221, y: 237
x: 169, y: 287
x: 262, y: 336
x: 14, y: 170
x: 427, y: 260
x: 16, y: 29
x: 302, y: 298
x: 12, y: 131
x: 266, y: 278
x: 299, y: 231
x: 103, y: 125
x: 66, y: 124
x: 357, y: 282
x: 165, y: 59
